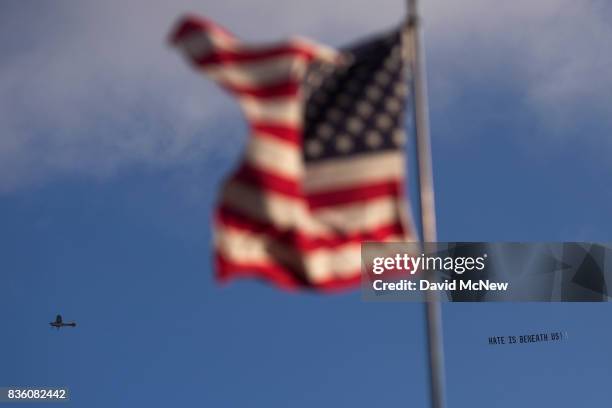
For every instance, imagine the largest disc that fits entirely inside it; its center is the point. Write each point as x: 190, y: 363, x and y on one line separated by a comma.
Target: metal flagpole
x: 426, y: 203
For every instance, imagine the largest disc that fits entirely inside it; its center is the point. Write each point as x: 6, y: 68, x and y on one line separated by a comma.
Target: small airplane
x: 59, y: 323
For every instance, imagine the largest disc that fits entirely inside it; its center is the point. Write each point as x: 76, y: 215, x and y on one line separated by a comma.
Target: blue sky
x: 111, y: 151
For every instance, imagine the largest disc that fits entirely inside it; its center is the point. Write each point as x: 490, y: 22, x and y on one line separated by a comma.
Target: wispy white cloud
x: 553, y: 52
x: 92, y: 87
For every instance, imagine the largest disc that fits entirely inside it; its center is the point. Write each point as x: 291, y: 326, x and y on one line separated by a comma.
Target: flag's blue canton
x: 357, y: 108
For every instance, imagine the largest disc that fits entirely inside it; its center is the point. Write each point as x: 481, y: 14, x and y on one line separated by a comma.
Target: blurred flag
x: 324, y: 167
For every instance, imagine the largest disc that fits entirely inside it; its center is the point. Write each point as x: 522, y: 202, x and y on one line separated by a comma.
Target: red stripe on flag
x: 281, y: 276
x: 355, y: 194
x: 231, y: 218
x: 251, y: 176
x: 191, y: 25
x: 289, y: 88
x: 254, y: 55
x: 287, y: 133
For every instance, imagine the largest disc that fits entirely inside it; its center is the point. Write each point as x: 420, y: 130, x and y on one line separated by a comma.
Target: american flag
x: 324, y: 167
